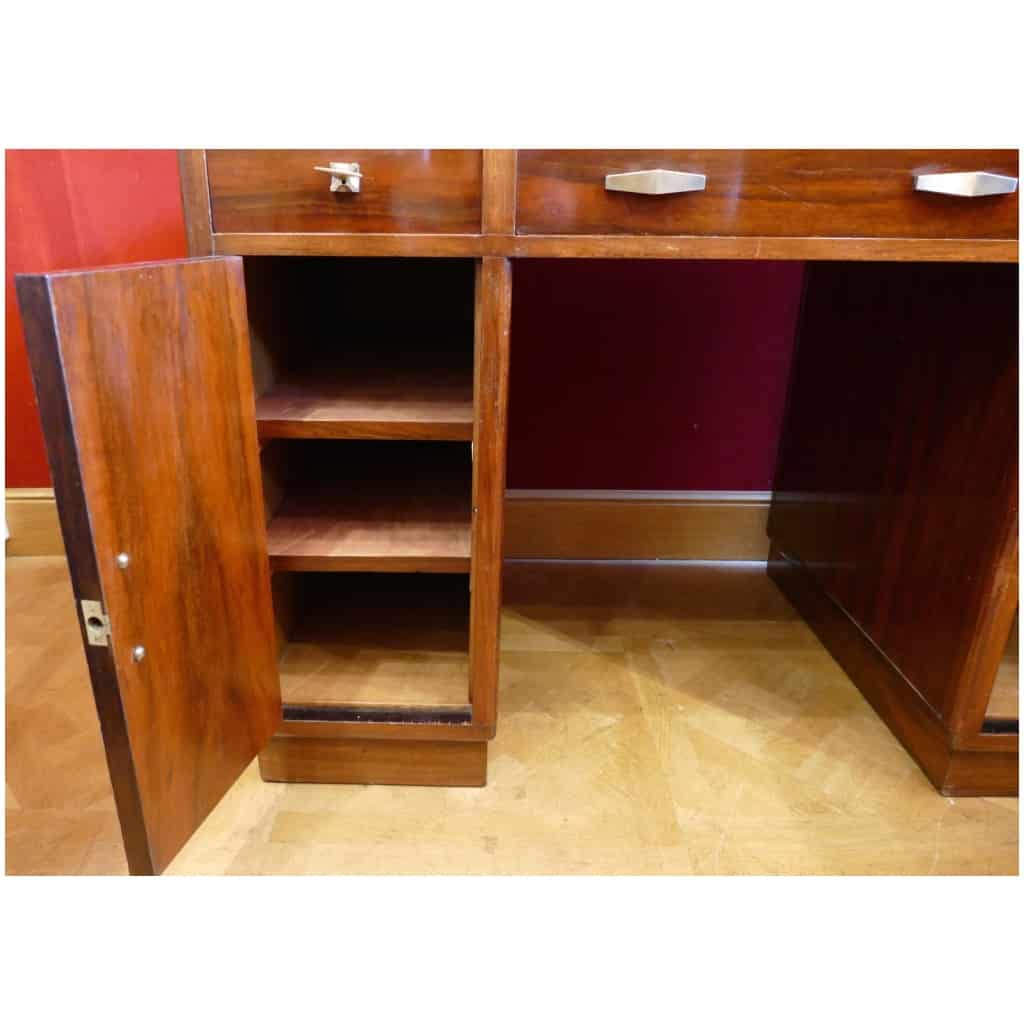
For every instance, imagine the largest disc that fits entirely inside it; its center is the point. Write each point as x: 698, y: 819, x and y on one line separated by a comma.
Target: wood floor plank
x: 648, y: 734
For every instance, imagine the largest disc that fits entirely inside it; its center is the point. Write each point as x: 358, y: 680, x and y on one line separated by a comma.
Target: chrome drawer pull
x: 966, y: 183
x: 655, y: 183
x: 344, y: 177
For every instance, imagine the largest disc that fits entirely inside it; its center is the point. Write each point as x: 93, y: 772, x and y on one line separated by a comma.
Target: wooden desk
x: 297, y: 444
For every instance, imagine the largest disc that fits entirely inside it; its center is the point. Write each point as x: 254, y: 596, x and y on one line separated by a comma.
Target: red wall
x: 649, y: 375
x: 636, y: 375
x: 77, y: 208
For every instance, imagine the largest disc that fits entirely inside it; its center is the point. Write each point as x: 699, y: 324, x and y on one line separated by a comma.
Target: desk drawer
x: 401, y: 191
x: 794, y: 193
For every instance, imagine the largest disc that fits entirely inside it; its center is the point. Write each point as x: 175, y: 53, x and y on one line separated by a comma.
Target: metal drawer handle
x: 966, y: 183
x: 655, y: 183
x: 344, y: 177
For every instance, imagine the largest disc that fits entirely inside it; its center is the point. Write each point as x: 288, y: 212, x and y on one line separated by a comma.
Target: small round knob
x: 123, y: 560
x: 138, y: 653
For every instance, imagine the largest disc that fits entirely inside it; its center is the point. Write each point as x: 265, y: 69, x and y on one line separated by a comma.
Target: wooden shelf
x: 362, y: 640
x: 362, y: 349
x: 369, y: 506
x: 365, y: 402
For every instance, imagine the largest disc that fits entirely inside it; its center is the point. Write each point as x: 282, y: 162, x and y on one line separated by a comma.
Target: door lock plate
x: 97, y: 624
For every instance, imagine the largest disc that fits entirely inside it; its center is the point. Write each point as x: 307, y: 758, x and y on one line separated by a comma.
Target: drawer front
x: 794, y: 193
x: 401, y: 191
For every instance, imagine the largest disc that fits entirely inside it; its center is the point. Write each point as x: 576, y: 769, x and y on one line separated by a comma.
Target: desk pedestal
x: 894, y: 521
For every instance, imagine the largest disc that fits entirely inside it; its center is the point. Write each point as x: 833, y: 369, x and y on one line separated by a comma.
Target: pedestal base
x: 374, y: 762
x: 954, y: 772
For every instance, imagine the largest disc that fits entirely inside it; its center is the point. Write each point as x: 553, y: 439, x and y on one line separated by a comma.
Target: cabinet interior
x: 365, y: 640
x: 372, y: 348
x: 363, y: 372
x: 336, y: 506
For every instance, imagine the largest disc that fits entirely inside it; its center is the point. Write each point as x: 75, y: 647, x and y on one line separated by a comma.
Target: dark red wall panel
x: 649, y: 375
x: 77, y: 208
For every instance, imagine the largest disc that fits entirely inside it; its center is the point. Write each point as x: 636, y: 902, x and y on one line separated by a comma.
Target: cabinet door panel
x: 143, y: 379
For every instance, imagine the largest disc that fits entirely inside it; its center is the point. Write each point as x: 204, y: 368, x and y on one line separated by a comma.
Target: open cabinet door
x: 144, y: 382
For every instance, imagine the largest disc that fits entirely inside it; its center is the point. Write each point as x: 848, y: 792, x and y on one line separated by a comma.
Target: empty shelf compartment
x: 351, y: 506
x: 370, y: 402
x: 369, y: 641
x: 362, y: 348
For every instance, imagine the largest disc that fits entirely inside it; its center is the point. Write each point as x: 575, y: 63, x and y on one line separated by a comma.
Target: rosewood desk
x: 298, y: 436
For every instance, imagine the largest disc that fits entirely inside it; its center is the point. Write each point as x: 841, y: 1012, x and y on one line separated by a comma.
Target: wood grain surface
x: 897, y: 476
x: 490, y: 399
x: 758, y: 204
x: 374, y: 762
x: 620, y: 246
x: 734, y: 247
x: 897, y: 481
x: 369, y: 402
x: 158, y: 389
x: 982, y: 772
x: 401, y: 506
x: 412, y: 190
x: 499, y: 191
x: 678, y: 528
x: 195, y: 198
x: 813, y: 193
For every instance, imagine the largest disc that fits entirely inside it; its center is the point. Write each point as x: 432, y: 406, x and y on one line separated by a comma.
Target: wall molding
x: 32, y: 523
x: 584, y: 524
x: 681, y: 525
x: 581, y: 495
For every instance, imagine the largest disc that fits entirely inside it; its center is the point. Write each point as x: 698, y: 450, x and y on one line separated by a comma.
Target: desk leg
x: 492, y: 319
x: 894, y: 520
